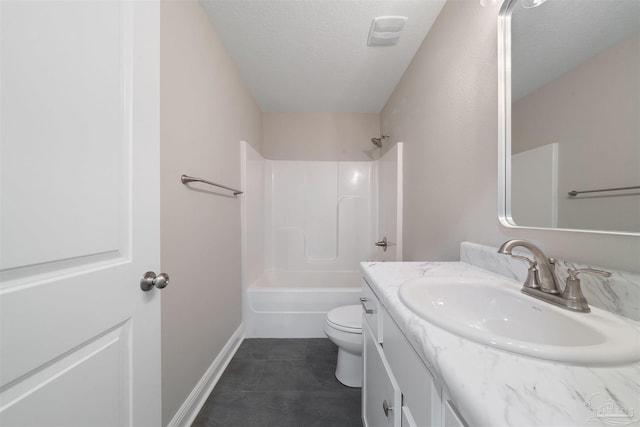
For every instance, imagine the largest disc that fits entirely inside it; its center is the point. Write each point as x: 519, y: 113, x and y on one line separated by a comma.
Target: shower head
x: 378, y: 141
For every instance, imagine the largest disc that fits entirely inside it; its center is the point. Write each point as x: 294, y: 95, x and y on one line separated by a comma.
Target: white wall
x: 205, y: 112
x: 320, y: 136
x: 445, y: 110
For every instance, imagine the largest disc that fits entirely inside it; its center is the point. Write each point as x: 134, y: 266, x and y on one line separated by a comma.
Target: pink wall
x: 598, y: 141
x: 205, y: 112
x: 445, y: 110
x: 320, y: 136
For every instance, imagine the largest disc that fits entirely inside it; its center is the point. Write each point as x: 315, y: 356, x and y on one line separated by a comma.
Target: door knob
x: 149, y: 280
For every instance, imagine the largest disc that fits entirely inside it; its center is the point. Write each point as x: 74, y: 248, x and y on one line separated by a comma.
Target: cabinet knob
x: 386, y: 408
x: 367, y: 310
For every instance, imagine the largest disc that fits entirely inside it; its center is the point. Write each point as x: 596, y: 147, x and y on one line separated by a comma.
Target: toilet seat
x: 346, y: 319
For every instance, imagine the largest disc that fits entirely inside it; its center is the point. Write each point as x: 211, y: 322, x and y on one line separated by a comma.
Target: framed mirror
x: 570, y: 115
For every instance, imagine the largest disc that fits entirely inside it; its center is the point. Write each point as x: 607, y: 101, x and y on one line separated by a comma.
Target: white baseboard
x: 198, y: 396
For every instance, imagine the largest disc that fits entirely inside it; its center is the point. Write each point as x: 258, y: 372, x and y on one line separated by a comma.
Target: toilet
x: 343, y: 326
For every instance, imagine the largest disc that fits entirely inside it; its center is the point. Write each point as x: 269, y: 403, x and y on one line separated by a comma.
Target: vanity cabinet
x: 379, y: 388
x: 395, y: 377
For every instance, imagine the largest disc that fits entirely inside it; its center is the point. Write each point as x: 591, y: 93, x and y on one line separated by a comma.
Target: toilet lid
x: 347, y: 318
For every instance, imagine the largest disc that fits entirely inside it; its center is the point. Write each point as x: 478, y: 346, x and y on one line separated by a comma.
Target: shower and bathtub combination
x: 306, y: 226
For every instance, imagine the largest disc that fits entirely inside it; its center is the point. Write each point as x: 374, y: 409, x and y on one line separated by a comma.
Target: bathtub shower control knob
x: 386, y: 408
x: 149, y: 280
x: 383, y: 244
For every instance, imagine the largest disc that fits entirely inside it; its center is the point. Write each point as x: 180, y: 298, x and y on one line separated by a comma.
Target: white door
x: 79, y: 222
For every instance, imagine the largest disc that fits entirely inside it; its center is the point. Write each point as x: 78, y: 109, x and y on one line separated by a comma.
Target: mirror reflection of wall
x: 575, y: 86
x: 534, y: 186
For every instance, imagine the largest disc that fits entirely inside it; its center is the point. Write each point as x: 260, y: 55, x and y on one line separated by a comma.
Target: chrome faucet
x: 541, y: 280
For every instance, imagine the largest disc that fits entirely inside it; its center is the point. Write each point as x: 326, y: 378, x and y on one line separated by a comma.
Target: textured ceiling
x: 555, y: 37
x: 312, y: 55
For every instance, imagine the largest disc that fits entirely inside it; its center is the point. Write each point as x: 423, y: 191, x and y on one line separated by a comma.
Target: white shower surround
x: 306, y: 227
x: 320, y: 215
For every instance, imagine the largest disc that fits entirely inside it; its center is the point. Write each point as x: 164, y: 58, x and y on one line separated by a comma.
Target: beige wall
x: 205, y: 112
x: 598, y: 141
x: 320, y: 136
x: 563, y: 110
x: 445, y: 109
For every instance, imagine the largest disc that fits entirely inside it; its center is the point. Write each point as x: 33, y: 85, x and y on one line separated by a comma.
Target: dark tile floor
x: 282, y: 383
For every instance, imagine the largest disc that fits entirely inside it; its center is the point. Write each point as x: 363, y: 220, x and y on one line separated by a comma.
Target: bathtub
x: 293, y: 304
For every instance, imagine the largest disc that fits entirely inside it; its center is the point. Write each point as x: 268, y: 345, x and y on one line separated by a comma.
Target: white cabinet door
x: 407, y: 418
x: 418, y: 388
x: 79, y: 222
x: 379, y: 388
x: 450, y: 416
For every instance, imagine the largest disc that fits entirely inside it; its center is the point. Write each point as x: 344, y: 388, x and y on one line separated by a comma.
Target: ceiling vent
x: 385, y: 30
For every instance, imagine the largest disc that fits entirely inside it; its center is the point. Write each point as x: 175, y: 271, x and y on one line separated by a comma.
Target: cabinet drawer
x: 418, y: 389
x: 371, y: 311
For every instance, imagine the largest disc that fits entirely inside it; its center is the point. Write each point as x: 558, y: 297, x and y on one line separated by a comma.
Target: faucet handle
x: 573, y: 272
x: 524, y: 258
x: 572, y: 293
x: 533, y: 276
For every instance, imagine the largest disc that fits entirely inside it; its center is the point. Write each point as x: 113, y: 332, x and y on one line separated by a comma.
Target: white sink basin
x: 495, y: 313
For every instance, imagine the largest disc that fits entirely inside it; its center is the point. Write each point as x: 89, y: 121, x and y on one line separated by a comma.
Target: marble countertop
x: 494, y: 388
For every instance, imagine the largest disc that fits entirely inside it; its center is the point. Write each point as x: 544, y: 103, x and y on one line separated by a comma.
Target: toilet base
x: 349, y: 368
